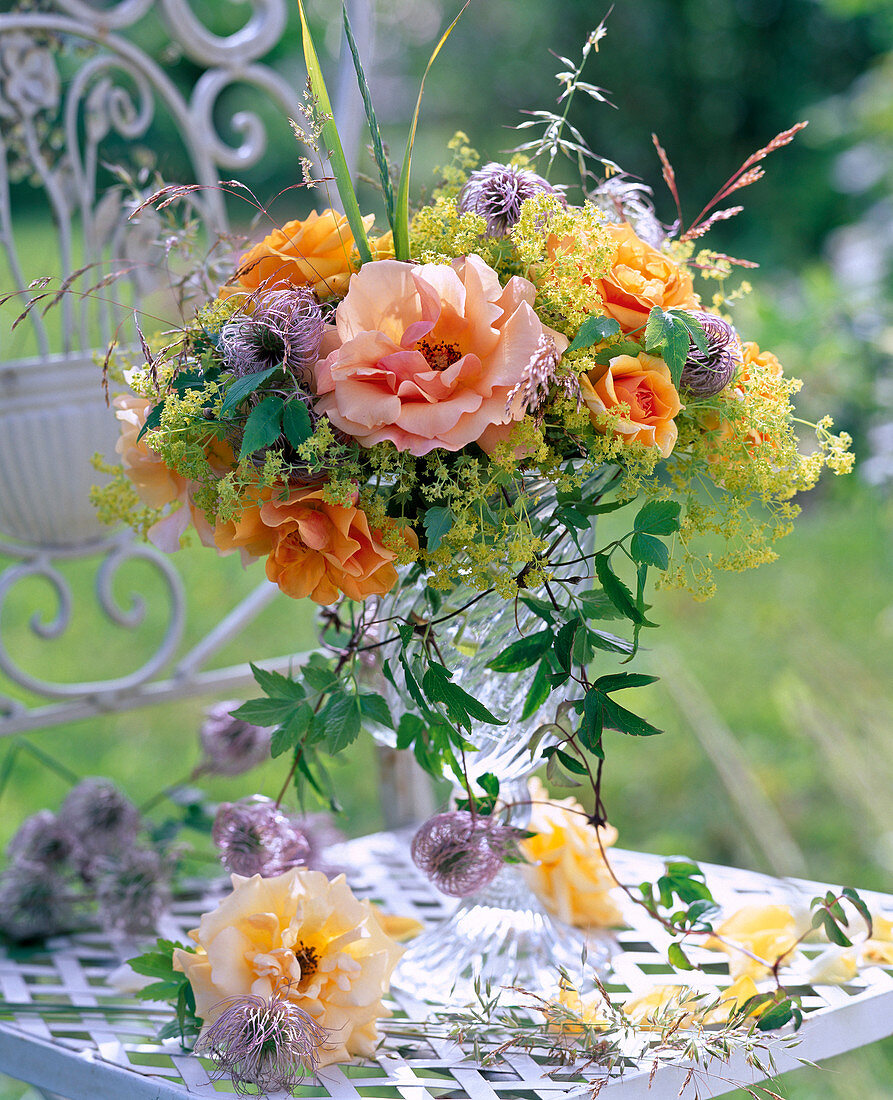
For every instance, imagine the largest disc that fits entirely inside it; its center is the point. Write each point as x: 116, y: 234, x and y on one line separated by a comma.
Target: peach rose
x: 304, y: 938
x: 155, y: 482
x: 641, y: 278
x: 566, y: 870
x: 315, y: 252
x: 425, y: 356
x: 642, y: 384
x: 322, y: 550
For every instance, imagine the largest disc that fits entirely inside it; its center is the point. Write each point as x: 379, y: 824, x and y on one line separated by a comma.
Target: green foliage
x: 172, y: 985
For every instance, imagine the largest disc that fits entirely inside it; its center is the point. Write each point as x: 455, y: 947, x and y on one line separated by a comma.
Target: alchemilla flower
x: 306, y: 941
x: 254, y: 837
x: 461, y: 852
x: 271, y: 1043
x: 497, y: 192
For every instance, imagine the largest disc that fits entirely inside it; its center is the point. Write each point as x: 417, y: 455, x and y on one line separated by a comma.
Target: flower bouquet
x: 418, y: 428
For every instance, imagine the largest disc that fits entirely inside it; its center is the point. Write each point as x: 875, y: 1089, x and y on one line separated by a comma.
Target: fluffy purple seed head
x: 284, y: 328
x: 497, y: 192
x: 706, y: 374
x: 460, y: 852
x: 231, y: 746
x: 132, y: 890
x: 35, y: 902
x: 98, y: 818
x: 254, y: 837
x: 40, y: 840
x: 268, y: 1043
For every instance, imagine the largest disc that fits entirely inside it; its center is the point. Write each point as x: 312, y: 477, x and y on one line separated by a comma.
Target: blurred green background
x: 776, y: 695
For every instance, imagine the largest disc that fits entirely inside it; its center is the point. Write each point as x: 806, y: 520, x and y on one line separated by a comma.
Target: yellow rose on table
x: 566, y: 869
x: 764, y: 931
x: 305, y: 939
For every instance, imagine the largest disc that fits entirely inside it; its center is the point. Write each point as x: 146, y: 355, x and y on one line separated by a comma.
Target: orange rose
x: 641, y: 278
x: 321, y: 550
x: 642, y: 385
x: 316, y: 252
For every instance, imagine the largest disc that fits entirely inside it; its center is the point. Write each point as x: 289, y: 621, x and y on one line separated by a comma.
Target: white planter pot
x: 53, y: 419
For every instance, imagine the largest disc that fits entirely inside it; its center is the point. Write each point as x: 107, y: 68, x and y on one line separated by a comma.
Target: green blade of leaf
x: 381, y: 160
x: 332, y: 143
x: 438, y: 522
x: 401, y: 214
x: 152, y: 421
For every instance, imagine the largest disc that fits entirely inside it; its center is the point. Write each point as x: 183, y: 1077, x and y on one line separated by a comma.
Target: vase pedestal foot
x: 501, y: 936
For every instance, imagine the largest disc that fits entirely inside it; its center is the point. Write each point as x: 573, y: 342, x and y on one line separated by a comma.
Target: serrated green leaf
x: 658, y: 517
x: 292, y: 730
x: 320, y: 677
x: 340, y: 721
x: 275, y: 685
x: 460, y: 706
x: 619, y: 718
x: 695, y: 327
x: 616, y: 681
x: 296, y: 424
x: 667, y: 336
x: 263, y: 426
x: 523, y: 653
x: 617, y: 592
x: 593, y: 723
x: 374, y: 708
x: 538, y: 692
x: 409, y: 729
x: 542, y: 608
x: 265, y: 712
x: 593, y: 330
x: 564, y: 642
x: 438, y: 521
x: 598, y: 605
x: 159, y: 991
x: 242, y: 388
x: 649, y: 550
x: 489, y: 783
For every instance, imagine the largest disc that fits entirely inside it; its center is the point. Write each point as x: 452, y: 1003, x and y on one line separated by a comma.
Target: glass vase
x: 501, y: 934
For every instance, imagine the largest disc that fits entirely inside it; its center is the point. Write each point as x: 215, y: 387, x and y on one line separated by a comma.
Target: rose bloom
x: 316, y: 252
x: 766, y: 931
x: 566, y: 869
x: 305, y: 939
x: 156, y: 484
x: 321, y: 550
x: 642, y: 384
x: 425, y: 355
x: 661, y: 1001
x: 641, y: 278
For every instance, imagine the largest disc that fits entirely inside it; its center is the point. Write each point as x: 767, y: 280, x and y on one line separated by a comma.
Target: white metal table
x: 114, y: 1056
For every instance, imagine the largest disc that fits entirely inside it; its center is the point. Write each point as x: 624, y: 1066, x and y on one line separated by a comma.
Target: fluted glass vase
x: 501, y: 934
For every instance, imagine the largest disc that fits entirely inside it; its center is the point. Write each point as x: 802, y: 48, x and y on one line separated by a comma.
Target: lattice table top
x: 117, y: 1057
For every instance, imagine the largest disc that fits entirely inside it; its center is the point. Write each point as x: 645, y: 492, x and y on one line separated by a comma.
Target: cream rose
x: 306, y: 940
